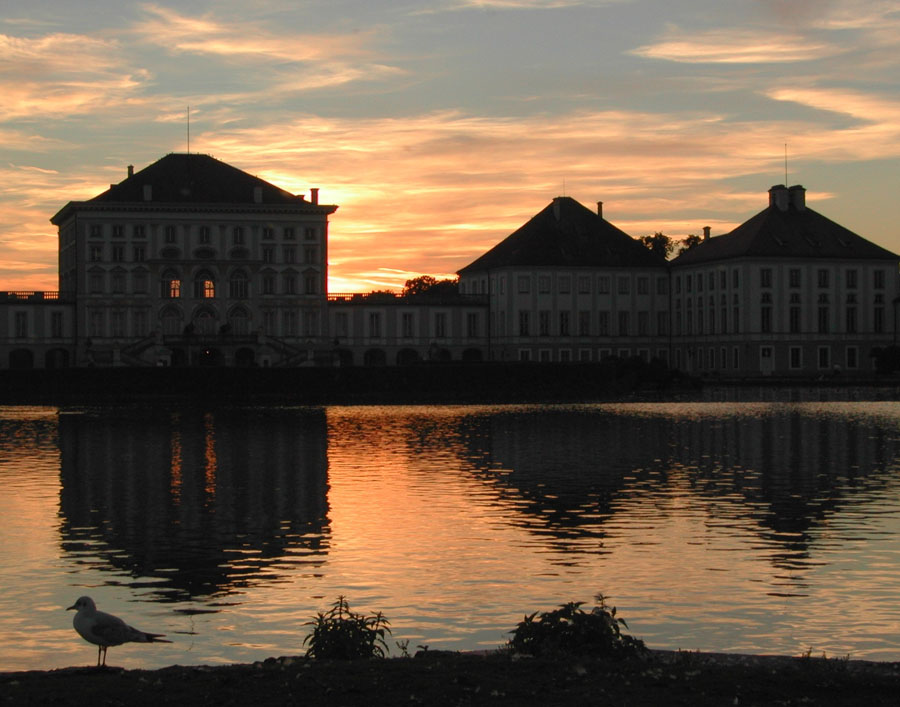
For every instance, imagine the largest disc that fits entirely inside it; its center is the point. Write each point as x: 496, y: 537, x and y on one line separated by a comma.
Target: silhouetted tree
x: 659, y: 243
x: 689, y: 242
x: 428, y: 285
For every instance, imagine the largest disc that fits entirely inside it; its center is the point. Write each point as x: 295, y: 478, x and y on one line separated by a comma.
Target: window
x: 623, y: 323
x: 309, y: 255
x: 374, y: 324
x: 96, y: 253
x: 852, y: 357
x: 117, y: 323
x: 699, y: 282
x: 723, y: 283
x: 794, y: 320
x: 712, y: 281
x: 822, y: 277
x: 21, y: 325
x: 794, y: 277
x: 603, y: 285
x: 765, y: 277
x: 96, y: 325
x: 523, y: 322
x: 564, y: 329
x: 735, y: 278
x: 118, y: 253
x: 624, y: 285
x: 603, y: 323
x: 824, y: 354
x: 290, y: 254
x: 310, y: 284
x: 96, y: 230
x: 440, y: 325
x: 289, y: 323
x: 543, y: 284
x: 268, y: 232
x: 204, y: 287
x: 289, y: 284
x: 169, y: 234
x: 643, y: 285
x: 584, y: 323
x: 565, y: 284
x: 688, y: 283
x: 56, y: 325
x: 238, y: 286
x: 524, y: 284
x: 310, y: 323
x: 851, y: 320
x: 95, y: 282
x: 118, y: 282
x: 584, y: 285
x: 289, y: 234
x: 795, y: 358
x: 237, y: 235
x: 118, y: 231
x: 203, y: 234
x: 268, y: 284
x: 472, y: 324
x: 268, y: 255
x: 878, y: 320
x: 643, y: 323
x: 171, y: 286
x: 823, y: 320
x: 662, y: 286
x: 878, y: 280
x: 544, y: 323
x: 662, y: 323
x: 678, y: 284
x: 139, y: 254
x: 341, y: 321
x: 139, y: 282
x: 310, y: 233
x: 850, y: 278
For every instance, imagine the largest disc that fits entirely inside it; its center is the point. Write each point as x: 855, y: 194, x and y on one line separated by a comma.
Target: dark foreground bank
x: 442, y: 678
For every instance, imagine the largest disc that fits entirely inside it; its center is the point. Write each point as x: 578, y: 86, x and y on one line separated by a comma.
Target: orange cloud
x: 737, y: 46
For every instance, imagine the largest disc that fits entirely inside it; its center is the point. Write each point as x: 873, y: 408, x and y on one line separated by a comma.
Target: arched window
x: 170, y: 285
x: 204, y: 285
x: 239, y: 321
x: 170, y: 318
x: 205, y: 322
x: 237, y: 285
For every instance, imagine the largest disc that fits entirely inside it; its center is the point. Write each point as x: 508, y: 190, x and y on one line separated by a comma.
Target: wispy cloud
x: 736, y: 46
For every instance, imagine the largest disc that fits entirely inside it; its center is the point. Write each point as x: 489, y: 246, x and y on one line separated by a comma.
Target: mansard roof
x: 180, y: 179
x: 566, y: 234
x: 786, y: 229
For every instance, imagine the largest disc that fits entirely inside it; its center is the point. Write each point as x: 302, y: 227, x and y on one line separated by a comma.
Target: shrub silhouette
x: 340, y: 634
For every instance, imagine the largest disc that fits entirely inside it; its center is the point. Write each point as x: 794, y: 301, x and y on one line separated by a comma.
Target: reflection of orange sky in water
x: 175, y: 464
x: 209, y: 454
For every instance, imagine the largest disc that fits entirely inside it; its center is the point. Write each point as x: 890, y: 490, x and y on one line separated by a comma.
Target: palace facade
x: 193, y: 262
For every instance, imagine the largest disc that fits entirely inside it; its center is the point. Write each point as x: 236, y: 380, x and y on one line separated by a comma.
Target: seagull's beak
x: 69, y: 608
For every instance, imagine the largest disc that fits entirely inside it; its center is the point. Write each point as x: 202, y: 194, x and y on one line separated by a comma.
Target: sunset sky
x: 440, y: 126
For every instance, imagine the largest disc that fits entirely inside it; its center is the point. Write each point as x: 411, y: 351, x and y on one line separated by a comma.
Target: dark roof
x: 567, y: 234
x: 195, y: 178
x: 790, y: 233
x: 180, y: 180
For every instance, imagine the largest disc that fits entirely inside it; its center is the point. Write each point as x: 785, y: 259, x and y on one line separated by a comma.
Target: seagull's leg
x: 103, y: 648
x: 99, y: 649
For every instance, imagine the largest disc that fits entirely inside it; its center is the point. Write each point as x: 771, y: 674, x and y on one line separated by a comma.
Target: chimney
x: 314, y: 195
x: 148, y: 192
x: 779, y: 197
x: 706, y: 233
x: 600, y: 209
x: 257, y: 195
x: 131, y: 170
x: 798, y: 197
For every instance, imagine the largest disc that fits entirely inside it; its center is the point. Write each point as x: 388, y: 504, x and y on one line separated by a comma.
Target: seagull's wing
x: 112, y: 631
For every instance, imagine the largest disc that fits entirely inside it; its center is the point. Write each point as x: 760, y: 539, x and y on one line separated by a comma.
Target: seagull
x: 106, y: 630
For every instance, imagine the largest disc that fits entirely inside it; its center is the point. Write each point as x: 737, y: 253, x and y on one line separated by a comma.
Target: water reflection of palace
x: 193, y: 502
x: 783, y: 474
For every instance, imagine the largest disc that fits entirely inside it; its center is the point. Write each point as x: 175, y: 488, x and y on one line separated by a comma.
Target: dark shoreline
x: 447, y: 678
x: 455, y: 383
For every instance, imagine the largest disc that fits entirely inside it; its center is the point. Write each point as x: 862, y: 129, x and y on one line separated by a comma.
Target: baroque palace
x: 193, y: 262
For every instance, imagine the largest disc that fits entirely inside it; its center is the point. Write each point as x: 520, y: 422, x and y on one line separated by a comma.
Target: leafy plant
x: 340, y: 634
x: 569, y: 629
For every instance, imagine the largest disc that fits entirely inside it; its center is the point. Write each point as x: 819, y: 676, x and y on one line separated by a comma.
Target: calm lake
x: 744, y: 527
